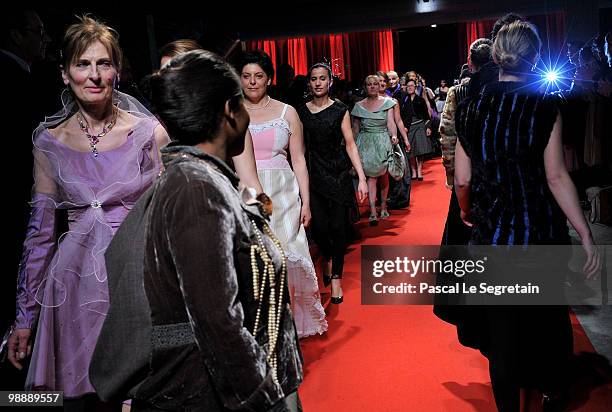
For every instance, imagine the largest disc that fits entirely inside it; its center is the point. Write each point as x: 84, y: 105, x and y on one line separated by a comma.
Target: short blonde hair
x: 81, y: 35
x: 371, y: 76
x: 516, y: 46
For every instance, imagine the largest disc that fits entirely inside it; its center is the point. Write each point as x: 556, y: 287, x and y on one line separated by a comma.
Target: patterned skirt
x: 420, y: 143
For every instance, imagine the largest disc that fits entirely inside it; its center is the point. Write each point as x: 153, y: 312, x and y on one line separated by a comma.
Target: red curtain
x: 297, y: 56
x: 352, y: 55
x: 340, y: 60
x: 268, y: 46
x: 318, y: 49
x: 385, y: 50
x: 476, y: 30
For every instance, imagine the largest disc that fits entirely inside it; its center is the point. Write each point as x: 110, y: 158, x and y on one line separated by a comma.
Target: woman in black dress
x: 512, y: 184
x: 328, y: 137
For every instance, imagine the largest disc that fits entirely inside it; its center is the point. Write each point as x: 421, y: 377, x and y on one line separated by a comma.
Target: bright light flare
x: 552, y: 76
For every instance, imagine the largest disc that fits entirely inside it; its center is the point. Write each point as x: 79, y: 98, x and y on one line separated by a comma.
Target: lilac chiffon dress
x: 62, y: 289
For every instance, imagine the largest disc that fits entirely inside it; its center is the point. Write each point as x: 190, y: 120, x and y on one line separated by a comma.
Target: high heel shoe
x: 384, y: 213
x: 336, y: 300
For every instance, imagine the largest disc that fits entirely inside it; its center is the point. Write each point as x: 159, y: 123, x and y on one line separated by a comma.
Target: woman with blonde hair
x: 93, y: 160
x: 519, y: 195
x: 376, y: 131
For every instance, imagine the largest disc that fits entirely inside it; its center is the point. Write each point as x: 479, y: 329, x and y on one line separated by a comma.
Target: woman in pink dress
x: 277, y: 134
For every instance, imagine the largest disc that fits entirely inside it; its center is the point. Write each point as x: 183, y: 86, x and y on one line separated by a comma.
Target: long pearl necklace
x: 270, y: 280
x: 95, y: 139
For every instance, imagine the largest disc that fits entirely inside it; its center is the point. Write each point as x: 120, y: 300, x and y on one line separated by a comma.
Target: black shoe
x: 420, y: 178
x: 336, y: 300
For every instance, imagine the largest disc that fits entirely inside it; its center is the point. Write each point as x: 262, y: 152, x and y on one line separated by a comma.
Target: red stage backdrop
x: 353, y: 56
x: 269, y: 46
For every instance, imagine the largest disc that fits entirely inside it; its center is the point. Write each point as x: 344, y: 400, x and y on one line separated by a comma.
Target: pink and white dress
x: 271, y: 142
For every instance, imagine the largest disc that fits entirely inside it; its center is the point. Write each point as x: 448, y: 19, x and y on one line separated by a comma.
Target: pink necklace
x: 95, y: 139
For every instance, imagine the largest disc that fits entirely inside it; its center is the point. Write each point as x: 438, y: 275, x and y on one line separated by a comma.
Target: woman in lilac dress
x: 92, y: 160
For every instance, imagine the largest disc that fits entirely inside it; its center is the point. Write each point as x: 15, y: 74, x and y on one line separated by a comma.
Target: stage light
x: 551, y: 76
x: 434, y: 25
x: 423, y: 6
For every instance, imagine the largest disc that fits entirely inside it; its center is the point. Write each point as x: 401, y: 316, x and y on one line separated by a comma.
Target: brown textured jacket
x: 198, y: 352
x: 448, y: 135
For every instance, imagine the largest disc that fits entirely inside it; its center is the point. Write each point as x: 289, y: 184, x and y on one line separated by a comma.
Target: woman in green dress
x: 376, y: 131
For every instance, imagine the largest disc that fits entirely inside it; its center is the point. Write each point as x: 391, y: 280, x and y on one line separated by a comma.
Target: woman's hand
x: 19, y: 346
x: 394, y: 140
x: 592, y: 266
x: 428, y: 132
x: 305, y: 216
x: 407, y: 144
x: 362, y: 190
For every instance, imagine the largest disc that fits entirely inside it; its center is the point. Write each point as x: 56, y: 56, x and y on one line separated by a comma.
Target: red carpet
x: 403, y: 358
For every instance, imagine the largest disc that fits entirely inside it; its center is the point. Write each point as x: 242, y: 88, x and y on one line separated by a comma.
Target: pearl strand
x: 275, y: 305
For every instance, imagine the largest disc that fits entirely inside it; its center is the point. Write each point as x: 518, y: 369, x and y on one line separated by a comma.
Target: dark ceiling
x: 271, y: 18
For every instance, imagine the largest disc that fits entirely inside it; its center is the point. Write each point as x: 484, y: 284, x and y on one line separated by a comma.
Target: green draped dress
x: 373, y: 140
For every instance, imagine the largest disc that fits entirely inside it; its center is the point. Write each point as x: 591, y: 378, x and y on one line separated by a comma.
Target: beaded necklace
x: 95, y: 139
x: 275, y: 300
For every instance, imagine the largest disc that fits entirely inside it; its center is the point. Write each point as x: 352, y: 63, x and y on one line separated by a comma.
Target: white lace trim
x: 259, y: 127
x: 310, y: 302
